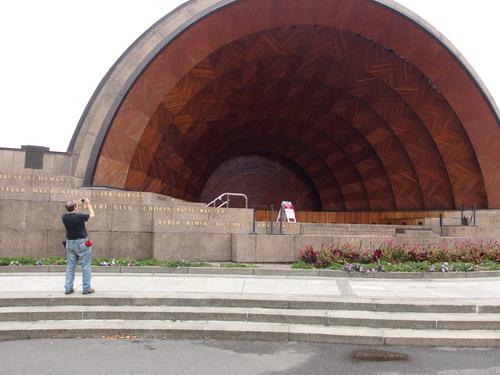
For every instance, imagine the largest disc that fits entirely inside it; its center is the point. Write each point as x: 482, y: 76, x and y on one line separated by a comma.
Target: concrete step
x: 418, y: 234
x: 256, y: 317
x: 410, y: 239
x: 247, y: 331
x: 346, y: 229
x: 463, y: 231
x: 257, y: 301
x: 350, y: 318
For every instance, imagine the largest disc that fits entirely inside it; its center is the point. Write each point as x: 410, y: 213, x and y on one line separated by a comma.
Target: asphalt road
x: 147, y: 356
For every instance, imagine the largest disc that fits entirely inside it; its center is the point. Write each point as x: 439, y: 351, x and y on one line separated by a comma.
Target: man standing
x: 78, y: 248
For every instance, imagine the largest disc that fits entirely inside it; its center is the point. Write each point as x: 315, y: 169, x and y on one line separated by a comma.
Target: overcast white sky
x: 55, y: 52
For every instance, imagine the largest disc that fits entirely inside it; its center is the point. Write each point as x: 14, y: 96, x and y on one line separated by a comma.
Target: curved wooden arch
x: 304, y: 157
x: 295, y: 131
x: 434, y: 188
x: 317, y: 171
x: 191, y: 134
x: 412, y: 152
x: 339, y: 160
x: 415, y: 67
x: 348, y: 179
x: 249, y: 172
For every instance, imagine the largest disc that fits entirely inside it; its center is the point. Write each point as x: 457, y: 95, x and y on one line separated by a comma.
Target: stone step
x: 463, y: 231
x: 418, y: 233
x: 334, y: 231
x: 290, y: 316
x: 308, y: 228
x: 259, y: 301
x: 418, y: 240
x: 247, y: 331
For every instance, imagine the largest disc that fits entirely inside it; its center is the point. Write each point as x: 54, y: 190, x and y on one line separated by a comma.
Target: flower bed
x: 398, y: 257
x: 104, y: 262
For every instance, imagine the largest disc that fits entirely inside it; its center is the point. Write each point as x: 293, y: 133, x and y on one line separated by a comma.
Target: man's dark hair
x: 70, y: 206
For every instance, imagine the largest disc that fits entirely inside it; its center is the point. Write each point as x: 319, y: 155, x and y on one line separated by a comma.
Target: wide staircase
x: 409, y: 234
x: 201, y: 316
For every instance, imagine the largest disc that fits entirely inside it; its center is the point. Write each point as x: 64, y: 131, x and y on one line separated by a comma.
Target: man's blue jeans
x: 77, y: 251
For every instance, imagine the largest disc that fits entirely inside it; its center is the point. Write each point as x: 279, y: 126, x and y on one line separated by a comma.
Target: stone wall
x: 12, y: 161
x: 127, y: 224
x: 146, y: 225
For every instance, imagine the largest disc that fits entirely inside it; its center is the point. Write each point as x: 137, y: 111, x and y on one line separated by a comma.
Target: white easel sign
x: 287, y: 211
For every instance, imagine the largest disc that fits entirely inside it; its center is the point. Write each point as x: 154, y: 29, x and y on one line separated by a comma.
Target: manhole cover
x: 378, y: 355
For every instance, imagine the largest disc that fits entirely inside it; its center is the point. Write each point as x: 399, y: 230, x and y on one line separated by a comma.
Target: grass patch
x: 106, y: 262
x: 301, y: 265
x: 411, y: 267
x: 237, y: 265
x: 489, y: 266
x: 380, y: 266
x: 20, y: 261
x: 201, y: 264
x: 178, y: 263
x: 336, y: 267
x: 54, y: 261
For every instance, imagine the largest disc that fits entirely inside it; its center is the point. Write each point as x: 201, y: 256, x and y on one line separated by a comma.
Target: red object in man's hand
x: 88, y: 243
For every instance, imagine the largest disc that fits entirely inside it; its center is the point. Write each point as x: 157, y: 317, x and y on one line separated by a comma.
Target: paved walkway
x: 481, y: 290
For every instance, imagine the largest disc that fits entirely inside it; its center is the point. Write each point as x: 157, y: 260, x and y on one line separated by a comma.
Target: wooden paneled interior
x: 367, y: 121
x: 355, y: 217
x: 265, y: 179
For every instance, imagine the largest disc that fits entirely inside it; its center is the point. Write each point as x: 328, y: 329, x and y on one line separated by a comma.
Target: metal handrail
x: 226, y: 202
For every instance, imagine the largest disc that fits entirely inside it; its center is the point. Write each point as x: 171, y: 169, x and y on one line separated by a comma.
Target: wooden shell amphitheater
x: 346, y: 105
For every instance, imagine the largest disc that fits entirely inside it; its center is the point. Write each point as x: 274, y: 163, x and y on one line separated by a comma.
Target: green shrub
x: 59, y: 261
x: 101, y: 261
x: 4, y: 261
x: 394, y: 252
x: 24, y: 261
x: 176, y: 263
x: 300, y: 264
x: 488, y: 265
x: 336, y: 267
